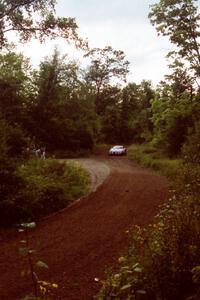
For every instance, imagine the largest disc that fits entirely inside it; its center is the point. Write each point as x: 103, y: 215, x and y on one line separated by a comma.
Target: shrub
x: 148, y: 156
x: 165, y: 253
x: 47, y: 186
x: 191, y: 148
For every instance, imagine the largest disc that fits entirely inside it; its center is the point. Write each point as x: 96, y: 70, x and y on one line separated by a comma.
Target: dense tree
x: 109, y: 110
x: 174, y: 111
x: 111, y: 124
x: 136, y: 124
x: 127, y: 114
x: 172, y: 117
x: 129, y: 125
x: 146, y: 93
x: 180, y: 79
x: 63, y: 116
x: 12, y: 144
x: 35, y: 18
x: 179, y: 19
x: 108, y: 67
x: 15, y: 87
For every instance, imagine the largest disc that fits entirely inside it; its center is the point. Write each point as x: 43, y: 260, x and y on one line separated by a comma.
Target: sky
x: 122, y: 24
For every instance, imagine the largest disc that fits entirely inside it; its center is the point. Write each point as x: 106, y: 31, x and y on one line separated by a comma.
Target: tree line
x: 64, y: 107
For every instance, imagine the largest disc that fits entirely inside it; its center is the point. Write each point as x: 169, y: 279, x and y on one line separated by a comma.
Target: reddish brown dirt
x: 82, y: 241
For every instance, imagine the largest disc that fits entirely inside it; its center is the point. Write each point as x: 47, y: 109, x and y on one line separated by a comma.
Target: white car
x: 117, y: 150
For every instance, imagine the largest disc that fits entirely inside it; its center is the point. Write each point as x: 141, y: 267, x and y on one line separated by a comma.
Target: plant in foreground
x: 42, y: 290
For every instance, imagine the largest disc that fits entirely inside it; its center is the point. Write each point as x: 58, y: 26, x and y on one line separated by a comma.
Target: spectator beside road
x: 38, y: 153
x: 43, y: 153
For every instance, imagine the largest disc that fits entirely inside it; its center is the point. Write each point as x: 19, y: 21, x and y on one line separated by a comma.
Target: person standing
x: 43, y: 152
x: 38, y: 153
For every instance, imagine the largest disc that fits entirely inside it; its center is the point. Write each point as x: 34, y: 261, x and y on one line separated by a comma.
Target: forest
x: 71, y: 110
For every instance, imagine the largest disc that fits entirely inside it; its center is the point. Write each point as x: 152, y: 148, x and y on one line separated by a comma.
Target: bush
x: 47, y: 186
x: 165, y: 254
x: 148, y: 156
x: 191, y: 148
x: 176, y: 135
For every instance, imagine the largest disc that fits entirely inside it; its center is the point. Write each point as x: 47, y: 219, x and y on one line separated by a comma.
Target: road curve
x: 82, y: 241
x: 97, y: 169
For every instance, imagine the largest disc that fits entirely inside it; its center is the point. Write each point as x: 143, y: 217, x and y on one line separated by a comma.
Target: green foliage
x: 12, y: 143
x: 47, y: 186
x: 148, y: 156
x: 126, y: 114
x: 179, y: 19
x: 63, y: 117
x: 15, y: 87
x: 196, y: 274
x: 111, y: 124
x: 136, y: 113
x: 191, y: 148
x: 172, y: 118
x: 106, y: 64
x: 125, y: 284
x: 35, y: 18
x: 42, y: 290
x: 108, y: 67
x: 17, y: 142
x: 176, y: 104
x: 190, y: 175
x: 166, y: 252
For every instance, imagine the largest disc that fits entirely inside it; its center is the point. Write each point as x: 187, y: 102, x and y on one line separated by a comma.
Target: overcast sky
x: 122, y: 24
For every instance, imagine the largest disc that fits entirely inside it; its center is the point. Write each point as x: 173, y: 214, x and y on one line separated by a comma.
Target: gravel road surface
x: 85, y: 239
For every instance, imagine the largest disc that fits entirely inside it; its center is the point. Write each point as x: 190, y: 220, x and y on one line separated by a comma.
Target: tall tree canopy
x: 14, y: 86
x: 108, y: 67
x: 179, y: 19
x: 63, y: 116
x: 35, y: 18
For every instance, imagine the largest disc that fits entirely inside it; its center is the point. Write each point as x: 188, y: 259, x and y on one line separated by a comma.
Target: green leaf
x: 23, y: 241
x: 41, y: 264
x: 23, y: 250
x: 127, y: 286
x: 135, y: 265
x: 138, y: 270
x: 29, y: 225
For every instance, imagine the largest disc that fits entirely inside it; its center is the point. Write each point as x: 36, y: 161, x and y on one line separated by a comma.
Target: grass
x: 148, y: 156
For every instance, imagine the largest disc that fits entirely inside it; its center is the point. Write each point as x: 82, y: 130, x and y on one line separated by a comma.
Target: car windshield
x: 118, y: 147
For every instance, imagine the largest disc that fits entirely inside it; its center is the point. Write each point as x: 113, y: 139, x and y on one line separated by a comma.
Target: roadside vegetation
x: 41, y: 188
x: 151, y: 157
x: 163, y: 259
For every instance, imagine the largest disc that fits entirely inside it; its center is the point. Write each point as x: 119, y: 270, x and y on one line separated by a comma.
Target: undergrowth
x: 148, y: 156
x: 163, y: 260
x: 46, y: 186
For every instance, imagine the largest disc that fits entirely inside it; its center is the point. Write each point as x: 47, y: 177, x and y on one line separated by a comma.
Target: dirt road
x: 82, y: 241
